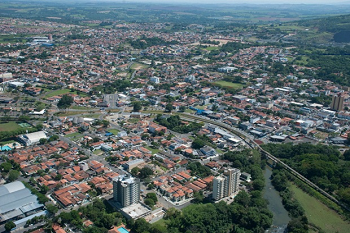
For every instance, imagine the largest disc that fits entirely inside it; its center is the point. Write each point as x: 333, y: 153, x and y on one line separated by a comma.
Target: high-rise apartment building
x: 218, y: 187
x: 232, y: 180
x: 226, y: 185
x: 126, y: 190
x: 337, y: 102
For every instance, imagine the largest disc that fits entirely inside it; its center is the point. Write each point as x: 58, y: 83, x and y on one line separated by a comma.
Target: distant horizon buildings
x: 126, y: 190
x: 337, y: 102
x: 226, y: 184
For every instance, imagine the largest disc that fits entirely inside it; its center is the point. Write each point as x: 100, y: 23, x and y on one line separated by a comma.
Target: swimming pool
x: 5, y: 148
x: 122, y: 230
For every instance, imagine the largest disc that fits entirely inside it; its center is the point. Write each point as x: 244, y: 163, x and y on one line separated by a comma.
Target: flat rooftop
x: 136, y: 210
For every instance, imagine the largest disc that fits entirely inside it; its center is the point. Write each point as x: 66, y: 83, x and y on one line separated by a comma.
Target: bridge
x: 252, y: 144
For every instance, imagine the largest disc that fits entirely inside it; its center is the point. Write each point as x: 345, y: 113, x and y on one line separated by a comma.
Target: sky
x: 243, y: 1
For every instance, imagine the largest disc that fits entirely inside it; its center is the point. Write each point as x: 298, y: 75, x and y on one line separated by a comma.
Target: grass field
x: 57, y: 92
x: 113, y: 131
x: 73, y: 136
x: 229, y: 84
x: 97, y: 152
x: 10, y: 126
x: 62, y: 92
x: 319, y: 214
x: 70, y: 113
x: 211, y: 48
x: 93, y: 115
x: 80, y: 108
x: 160, y: 222
x: 190, y: 110
x: 154, y: 151
x: 134, y: 120
x: 138, y: 66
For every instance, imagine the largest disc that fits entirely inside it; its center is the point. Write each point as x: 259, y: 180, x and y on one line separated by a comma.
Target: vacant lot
x: 229, y: 84
x: 57, y: 92
x: 10, y: 126
x: 319, y: 214
x: 113, y: 131
x: 74, y: 136
x: 138, y: 66
x: 154, y: 151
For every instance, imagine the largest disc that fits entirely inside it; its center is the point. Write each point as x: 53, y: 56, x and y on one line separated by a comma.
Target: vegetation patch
x: 98, y: 152
x: 113, y: 131
x: 154, y: 151
x: 229, y: 84
x: 57, y: 92
x: 73, y: 136
x: 319, y: 214
x: 9, y: 126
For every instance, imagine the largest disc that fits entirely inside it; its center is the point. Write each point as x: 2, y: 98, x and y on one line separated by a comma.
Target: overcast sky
x: 244, y: 1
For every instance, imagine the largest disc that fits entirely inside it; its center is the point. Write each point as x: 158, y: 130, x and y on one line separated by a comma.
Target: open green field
x: 134, y: 120
x: 74, y: 136
x: 319, y: 214
x: 97, y: 152
x: 80, y: 108
x: 95, y: 116
x: 161, y: 223
x: 62, y: 92
x: 154, y: 151
x: 113, y: 131
x: 211, y: 48
x: 190, y: 111
x: 229, y: 84
x: 61, y: 114
x: 10, y: 126
x: 57, y: 92
x: 137, y: 66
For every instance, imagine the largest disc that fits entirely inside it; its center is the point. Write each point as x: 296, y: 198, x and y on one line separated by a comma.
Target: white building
x: 154, y: 79
x: 218, y: 188
x: 226, y: 185
x: 32, y: 138
x: 126, y: 190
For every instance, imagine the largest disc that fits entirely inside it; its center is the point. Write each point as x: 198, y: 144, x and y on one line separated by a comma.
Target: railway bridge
x: 252, y: 144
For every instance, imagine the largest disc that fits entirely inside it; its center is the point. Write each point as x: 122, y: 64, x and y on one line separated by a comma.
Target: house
x: 208, y: 151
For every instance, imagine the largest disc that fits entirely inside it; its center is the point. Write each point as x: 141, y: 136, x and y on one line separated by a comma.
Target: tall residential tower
x: 126, y: 190
x: 337, y: 102
x: 226, y: 185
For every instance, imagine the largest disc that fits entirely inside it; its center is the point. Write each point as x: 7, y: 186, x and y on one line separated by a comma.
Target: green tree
x: 53, y: 138
x: 13, y: 175
x: 135, y: 171
x: 149, y: 202
x: 347, y: 155
x: 65, y: 102
x: 9, y: 225
x: 42, y: 141
x: 198, y: 143
x: 169, y: 107
x: 137, y: 106
x: 145, y: 172
x: 5, y: 167
x: 51, y: 208
x: 152, y: 196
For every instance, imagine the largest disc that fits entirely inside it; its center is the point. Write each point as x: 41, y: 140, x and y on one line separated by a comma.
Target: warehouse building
x: 32, y: 138
x: 17, y: 202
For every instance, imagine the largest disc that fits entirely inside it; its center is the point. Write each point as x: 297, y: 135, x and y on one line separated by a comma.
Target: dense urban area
x: 170, y: 118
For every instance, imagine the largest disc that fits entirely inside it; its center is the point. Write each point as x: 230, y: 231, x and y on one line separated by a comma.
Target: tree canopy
x: 65, y: 102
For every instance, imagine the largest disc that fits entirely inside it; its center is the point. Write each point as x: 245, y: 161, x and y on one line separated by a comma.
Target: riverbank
x: 319, y: 214
x: 280, y: 215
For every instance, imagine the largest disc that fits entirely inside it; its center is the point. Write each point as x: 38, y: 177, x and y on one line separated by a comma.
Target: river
x: 280, y: 215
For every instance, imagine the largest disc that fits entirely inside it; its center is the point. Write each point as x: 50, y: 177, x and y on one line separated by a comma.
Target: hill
x: 337, y: 26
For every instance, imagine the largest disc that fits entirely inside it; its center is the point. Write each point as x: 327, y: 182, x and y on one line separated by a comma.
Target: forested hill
x: 339, y: 26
